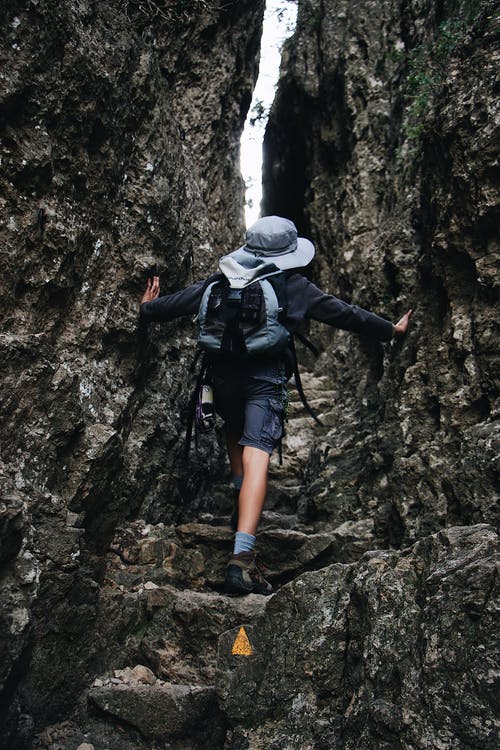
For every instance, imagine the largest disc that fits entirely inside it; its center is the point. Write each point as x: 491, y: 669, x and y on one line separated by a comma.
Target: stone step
x: 316, y: 400
x: 194, y: 555
x: 172, y: 631
x: 310, y: 380
x: 162, y: 712
x: 180, y: 638
x: 284, y: 488
x: 269, y: 518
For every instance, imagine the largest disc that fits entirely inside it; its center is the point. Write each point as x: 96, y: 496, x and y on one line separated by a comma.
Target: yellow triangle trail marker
x: 242, y: 645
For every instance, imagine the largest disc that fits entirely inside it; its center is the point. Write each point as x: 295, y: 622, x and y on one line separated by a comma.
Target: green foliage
x: 311, y: 16
x: 396, y: 55
x: 282, y: 10
x: 258, y: 112
x: 428, y: 65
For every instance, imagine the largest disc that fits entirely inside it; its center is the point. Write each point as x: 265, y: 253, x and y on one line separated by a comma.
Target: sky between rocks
x: 279, y: 23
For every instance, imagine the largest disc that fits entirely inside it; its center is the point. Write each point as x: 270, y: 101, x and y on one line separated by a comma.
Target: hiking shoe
x: 244, y: 577
x: 234, y: 514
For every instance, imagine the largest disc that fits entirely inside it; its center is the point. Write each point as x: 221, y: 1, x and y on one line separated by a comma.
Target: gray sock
x: 243, y: 542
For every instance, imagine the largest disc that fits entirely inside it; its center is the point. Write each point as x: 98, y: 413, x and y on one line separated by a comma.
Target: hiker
x: 250, y: 391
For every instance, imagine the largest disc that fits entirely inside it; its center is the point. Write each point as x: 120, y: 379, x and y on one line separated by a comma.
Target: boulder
x: 164, y: 711
x: 398, y: 650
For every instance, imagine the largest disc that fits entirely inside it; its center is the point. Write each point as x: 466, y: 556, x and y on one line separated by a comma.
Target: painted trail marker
x: 242, y: 645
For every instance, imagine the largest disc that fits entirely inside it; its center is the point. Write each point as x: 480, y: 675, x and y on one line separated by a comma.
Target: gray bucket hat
x: 272, y: 246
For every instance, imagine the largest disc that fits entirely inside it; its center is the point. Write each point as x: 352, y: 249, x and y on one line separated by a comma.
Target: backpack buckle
x: 234, y: 297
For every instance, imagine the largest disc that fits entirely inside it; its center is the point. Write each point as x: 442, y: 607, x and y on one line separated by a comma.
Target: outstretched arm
x: 307, y: 301
x: 156, y: 308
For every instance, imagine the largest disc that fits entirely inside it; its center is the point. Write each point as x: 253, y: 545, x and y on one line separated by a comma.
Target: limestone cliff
x: 120, y: 124
x: 382, y: 146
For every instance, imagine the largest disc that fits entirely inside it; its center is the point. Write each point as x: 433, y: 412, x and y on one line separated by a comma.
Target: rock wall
x: 120, y: 126
x: 381, y: 145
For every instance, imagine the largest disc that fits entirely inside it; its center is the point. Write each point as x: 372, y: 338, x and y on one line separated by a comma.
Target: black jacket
x: 305, y: 301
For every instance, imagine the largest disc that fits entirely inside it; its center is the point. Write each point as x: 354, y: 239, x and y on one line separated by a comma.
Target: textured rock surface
x: 381, y: 145
x: 101, y: 185
x: 398, y: 650
x: 119, y: 126
x: 18, y: 589
x: 165, y: 711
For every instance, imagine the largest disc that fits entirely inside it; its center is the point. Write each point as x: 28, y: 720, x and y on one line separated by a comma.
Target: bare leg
x: 235, y: 453
x: 253, y: 490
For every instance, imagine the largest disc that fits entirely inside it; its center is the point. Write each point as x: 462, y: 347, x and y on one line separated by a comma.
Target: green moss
x: 396, y: 55
x: 259, y: 112
x: 428, y: 65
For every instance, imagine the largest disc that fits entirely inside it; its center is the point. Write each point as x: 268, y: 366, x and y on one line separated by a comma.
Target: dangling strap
x: 308, y: 344
x: 298, y: 383
x: 192, y: 402
x: 280, y: 451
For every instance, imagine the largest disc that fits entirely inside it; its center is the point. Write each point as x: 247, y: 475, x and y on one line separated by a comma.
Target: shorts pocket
x: 272, y: 430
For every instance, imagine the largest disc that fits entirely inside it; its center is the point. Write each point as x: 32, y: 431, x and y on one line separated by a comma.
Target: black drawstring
x: 192, y: 403
x: 298, y: 383
x: 308, y: 344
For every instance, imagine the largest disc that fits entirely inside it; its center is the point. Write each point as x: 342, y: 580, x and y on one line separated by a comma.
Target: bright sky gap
x: 279, y: 23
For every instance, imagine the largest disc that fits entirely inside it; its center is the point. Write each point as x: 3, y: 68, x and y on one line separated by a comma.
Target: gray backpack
x: 243, y: 322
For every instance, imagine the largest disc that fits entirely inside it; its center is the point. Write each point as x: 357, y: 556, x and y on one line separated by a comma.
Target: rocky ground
x: 333, y: 659
x: 162, y: 609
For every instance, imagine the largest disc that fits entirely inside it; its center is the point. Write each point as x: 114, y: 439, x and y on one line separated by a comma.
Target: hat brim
x: 299, y: 257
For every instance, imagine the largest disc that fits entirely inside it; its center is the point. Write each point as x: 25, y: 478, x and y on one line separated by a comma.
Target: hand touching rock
x: 401, y: 326
x: 152, y: 290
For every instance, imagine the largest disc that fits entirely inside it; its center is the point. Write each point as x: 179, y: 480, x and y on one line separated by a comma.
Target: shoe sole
x: 233, y: 593
x: 235, y: 589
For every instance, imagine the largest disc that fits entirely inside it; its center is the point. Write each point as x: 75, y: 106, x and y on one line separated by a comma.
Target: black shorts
x: 251, y: 398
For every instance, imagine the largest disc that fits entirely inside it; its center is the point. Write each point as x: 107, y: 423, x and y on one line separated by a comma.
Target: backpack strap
x: 308, y: 344
x: 192, y: 401
x: 298, y: 384
x: 217, y: 276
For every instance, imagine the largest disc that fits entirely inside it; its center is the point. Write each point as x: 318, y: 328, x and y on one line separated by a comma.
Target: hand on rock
x: 401, y: 326
x: 152, y: 290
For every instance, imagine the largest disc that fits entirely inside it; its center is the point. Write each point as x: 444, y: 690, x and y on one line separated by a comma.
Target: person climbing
x: 250, y: 391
